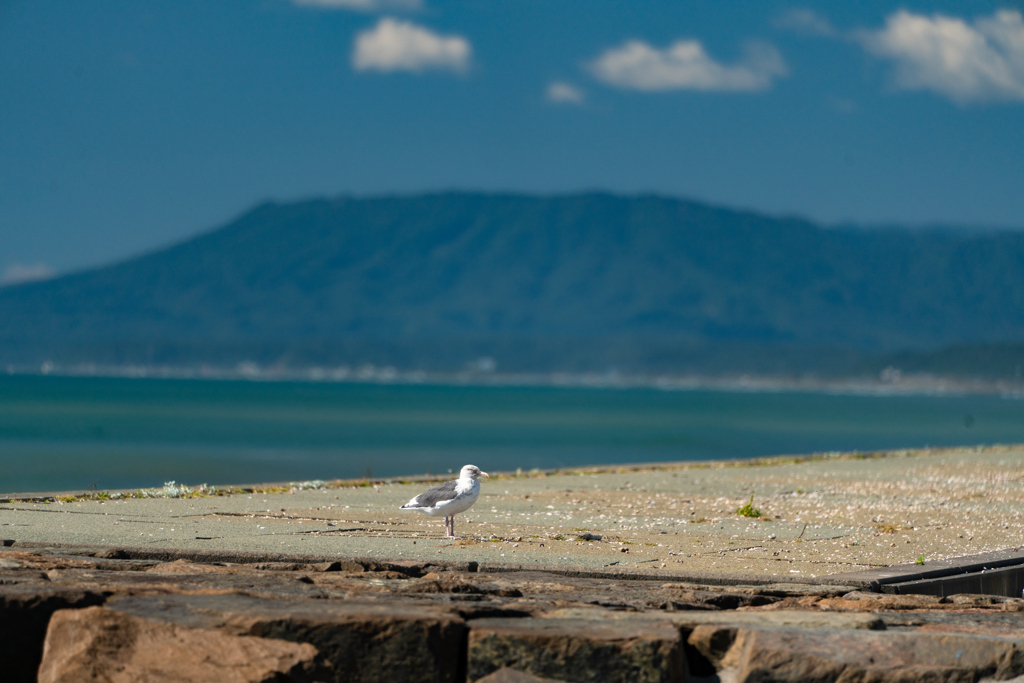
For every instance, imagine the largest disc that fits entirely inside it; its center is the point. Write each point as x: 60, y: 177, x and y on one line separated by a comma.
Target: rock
x: 581, y: 650
x: 25, y: 612
x: 746, y: 619
x: 859, y: 601
x: 187, y: 567
x: 761, y: 658
x: 784, y: 655
x: 961, y: 600
x: 721, y: 599
x: 455, y: 584
x: 707, y: 647
x: 508, y: 675
x: 390, y: 621
x: 99, y: 644
x: 319, y: 567
x: 1000, y: 630
x: 363, y: 641
x: 271, y: 584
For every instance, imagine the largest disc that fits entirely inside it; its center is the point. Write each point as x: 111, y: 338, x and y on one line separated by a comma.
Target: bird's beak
x: 485, y: 474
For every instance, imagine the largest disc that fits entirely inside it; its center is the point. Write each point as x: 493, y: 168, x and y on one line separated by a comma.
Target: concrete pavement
x: 819, y: 516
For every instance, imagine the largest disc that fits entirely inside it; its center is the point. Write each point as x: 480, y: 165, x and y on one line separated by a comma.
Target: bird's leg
x: 447, y: 526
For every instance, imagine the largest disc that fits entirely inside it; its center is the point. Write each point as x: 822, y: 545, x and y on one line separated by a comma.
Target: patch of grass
x: 95, y: 495
x: 559, y: 537
x: 278, y: 489
x: 749, y: 510
x: 919, y: 560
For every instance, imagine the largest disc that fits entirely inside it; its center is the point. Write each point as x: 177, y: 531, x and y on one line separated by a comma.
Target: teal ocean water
x: 59, y: 433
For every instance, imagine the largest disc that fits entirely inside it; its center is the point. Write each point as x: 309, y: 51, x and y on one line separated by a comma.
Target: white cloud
x: 685, y: 65
x: 362, y: 5
x: 394, y: 45
x: 18, y: 273
x: 564, y: 93
x: 965, y: 62
x: 805, y: 21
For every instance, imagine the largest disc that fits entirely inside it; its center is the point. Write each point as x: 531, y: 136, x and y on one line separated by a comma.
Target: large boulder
x: 25, y: 611
x: 364, y: 641
x: 582, y: 650
x: 97, y: 644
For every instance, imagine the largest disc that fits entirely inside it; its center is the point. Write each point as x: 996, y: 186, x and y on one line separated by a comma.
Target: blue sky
x: 125, y: 126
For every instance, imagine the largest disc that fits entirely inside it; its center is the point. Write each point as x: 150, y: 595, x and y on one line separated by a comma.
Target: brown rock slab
x: 994, y: 631
x: 580, y: 650
x: 364, y: 641
x: 745, y: 619
x: 507, y: 675
x: 785, y: 655
x: 97, y: 644
x: 187, y: 567
x: 860, y: 601
x: 727, y: 600
x: 176, y: 578
x: 25, y: 611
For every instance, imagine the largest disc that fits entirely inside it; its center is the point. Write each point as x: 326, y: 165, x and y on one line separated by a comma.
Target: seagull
x: 449, y: 498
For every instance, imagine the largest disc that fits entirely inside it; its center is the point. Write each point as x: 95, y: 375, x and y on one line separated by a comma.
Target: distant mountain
x: 587, y: 281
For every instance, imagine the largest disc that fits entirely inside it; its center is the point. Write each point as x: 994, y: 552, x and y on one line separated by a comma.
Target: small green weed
x: 749, y: 510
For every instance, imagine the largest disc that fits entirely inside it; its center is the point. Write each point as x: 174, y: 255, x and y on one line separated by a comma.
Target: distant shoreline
x: 891, y: 382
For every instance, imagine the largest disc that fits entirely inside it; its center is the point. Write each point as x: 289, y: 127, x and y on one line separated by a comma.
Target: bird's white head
x: 472, y: 472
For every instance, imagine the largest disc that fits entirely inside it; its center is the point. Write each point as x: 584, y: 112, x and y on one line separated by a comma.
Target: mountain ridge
x: 478, y: 271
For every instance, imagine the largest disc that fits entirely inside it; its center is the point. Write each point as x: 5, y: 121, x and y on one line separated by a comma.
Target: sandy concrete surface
x: 819, y: 516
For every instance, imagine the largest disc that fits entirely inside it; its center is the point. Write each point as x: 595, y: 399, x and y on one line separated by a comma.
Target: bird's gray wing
x: 435, y: 494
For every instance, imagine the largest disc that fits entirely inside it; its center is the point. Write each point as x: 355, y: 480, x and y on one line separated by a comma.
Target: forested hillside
x: 585, y: 281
